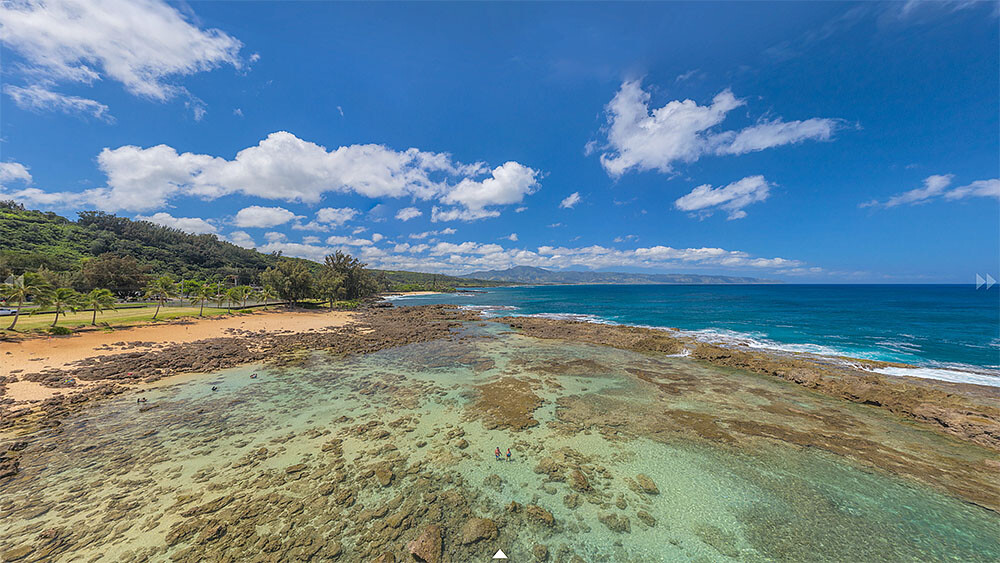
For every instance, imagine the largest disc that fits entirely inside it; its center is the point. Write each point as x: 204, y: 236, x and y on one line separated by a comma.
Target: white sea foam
x: 956, y: 376
x: 958, y: 373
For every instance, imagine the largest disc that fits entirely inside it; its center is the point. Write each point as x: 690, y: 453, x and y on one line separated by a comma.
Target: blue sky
x: 813, y: 142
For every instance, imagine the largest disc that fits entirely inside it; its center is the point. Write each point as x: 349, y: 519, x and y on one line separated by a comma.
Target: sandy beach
x: 35, y: 354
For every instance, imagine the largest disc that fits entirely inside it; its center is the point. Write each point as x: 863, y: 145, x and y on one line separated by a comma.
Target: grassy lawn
x: 119, y: 318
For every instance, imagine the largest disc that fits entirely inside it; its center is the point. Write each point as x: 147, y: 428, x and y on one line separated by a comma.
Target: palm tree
x: 232, y: 296
x: 20, y: 290
x: 239, y: 295
x: 266, y: 294
x: 200, y: 294
x: 99, y: 300
x: 62, y: 300
x: 161, y: 289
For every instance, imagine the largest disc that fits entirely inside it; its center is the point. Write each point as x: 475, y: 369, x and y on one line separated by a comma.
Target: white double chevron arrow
x: 989, y: 281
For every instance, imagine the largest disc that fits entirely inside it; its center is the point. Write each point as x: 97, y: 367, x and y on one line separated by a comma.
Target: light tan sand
x: 38, y: 353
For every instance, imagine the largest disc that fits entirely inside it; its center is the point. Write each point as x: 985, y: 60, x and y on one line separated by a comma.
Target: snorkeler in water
x: 214, y: 388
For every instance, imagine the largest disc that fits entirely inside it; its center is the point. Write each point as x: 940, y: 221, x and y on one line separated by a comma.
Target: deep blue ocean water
x: 944, y: 329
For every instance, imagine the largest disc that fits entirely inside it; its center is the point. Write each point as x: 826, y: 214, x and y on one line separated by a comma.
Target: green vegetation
x: 98, y: 300
x: 53, y: 265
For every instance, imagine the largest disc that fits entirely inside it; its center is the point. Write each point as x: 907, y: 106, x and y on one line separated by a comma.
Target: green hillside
x: 33, y: 239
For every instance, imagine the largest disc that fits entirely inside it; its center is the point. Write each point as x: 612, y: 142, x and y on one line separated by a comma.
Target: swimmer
x: 214, y: 388
x: 253, y: 376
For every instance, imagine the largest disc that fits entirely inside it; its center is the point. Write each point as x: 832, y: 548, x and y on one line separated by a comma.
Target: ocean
x: 948, y: 332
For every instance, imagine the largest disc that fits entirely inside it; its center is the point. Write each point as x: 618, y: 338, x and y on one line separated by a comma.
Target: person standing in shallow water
x: 508, y: 455
x: 497, y: 452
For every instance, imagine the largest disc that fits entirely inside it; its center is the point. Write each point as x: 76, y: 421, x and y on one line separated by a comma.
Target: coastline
x: 36, y: 372
x: 36, y: 353
x: 552, y: 398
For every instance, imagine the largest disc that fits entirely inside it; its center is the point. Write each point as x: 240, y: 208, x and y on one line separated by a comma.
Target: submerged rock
x: 427, y: 547
x: 476, y: 529
x: 616, y: 522
x: 646, y: 484
x: 541, y: 552
x: 578, y: 481
x: 384, y: 475
x: 539, y: 515
x: 646, y: 518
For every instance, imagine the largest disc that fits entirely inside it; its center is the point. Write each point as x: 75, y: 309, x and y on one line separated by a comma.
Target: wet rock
x: 211, y: 534
x: 384, y: 475
x: 427, y: 547
x: 646, y: 484
x: 578, y: 481
x: 616, y: 522
x: 540, y: 552
x: 539, y: 515
x: 462, y: 444
x: 551, y: 468
x: 386, y: 557
x: 514, y: 506
x: 476, y: 529
x: 620, y: 502
x: 295, y: 468
x: 572, y: 501
x: 646, y: 518
x: 17, y: 553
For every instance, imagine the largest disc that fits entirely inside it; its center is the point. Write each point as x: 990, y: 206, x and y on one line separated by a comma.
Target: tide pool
x: 349, y: 458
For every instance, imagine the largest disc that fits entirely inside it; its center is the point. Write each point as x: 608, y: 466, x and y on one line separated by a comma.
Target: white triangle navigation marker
x: 500, y: 555
x: 979, y: 281
x: 990, y: 281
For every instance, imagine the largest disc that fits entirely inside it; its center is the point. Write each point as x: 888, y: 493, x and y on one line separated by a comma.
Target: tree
x: 99, y: 300
x: 161, y: 289
x: 61, y: 300
x: 330, y: 286
x: 199, y: 295
x: 231, y: 296
x: 241, y: 293
x: 123, y: 275
x: 266, y: 294
x: 290, y: 279
x: 20, y: 289
x: 357, y: 281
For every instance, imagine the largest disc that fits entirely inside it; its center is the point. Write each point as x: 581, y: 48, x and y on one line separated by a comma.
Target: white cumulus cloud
x: 731, y: 198
x: 284, y: 167
x: 142, y: 44
x: 262, y: 217
x: 640, y: 138
x: 193, y: 225
x: 336, y: 215
x: 407, y: 213
x: 570, y: 200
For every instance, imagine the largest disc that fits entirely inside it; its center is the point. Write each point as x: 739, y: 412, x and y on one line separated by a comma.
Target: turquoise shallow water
x: 940, y: 328
x: 117, y: 481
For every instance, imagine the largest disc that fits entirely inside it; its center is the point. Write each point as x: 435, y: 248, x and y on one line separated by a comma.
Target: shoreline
x: 100, y: 363
x: 37, y: 353
x: 939, y: 372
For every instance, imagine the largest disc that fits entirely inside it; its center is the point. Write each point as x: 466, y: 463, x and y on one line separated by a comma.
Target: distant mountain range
x: 532, y: 275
